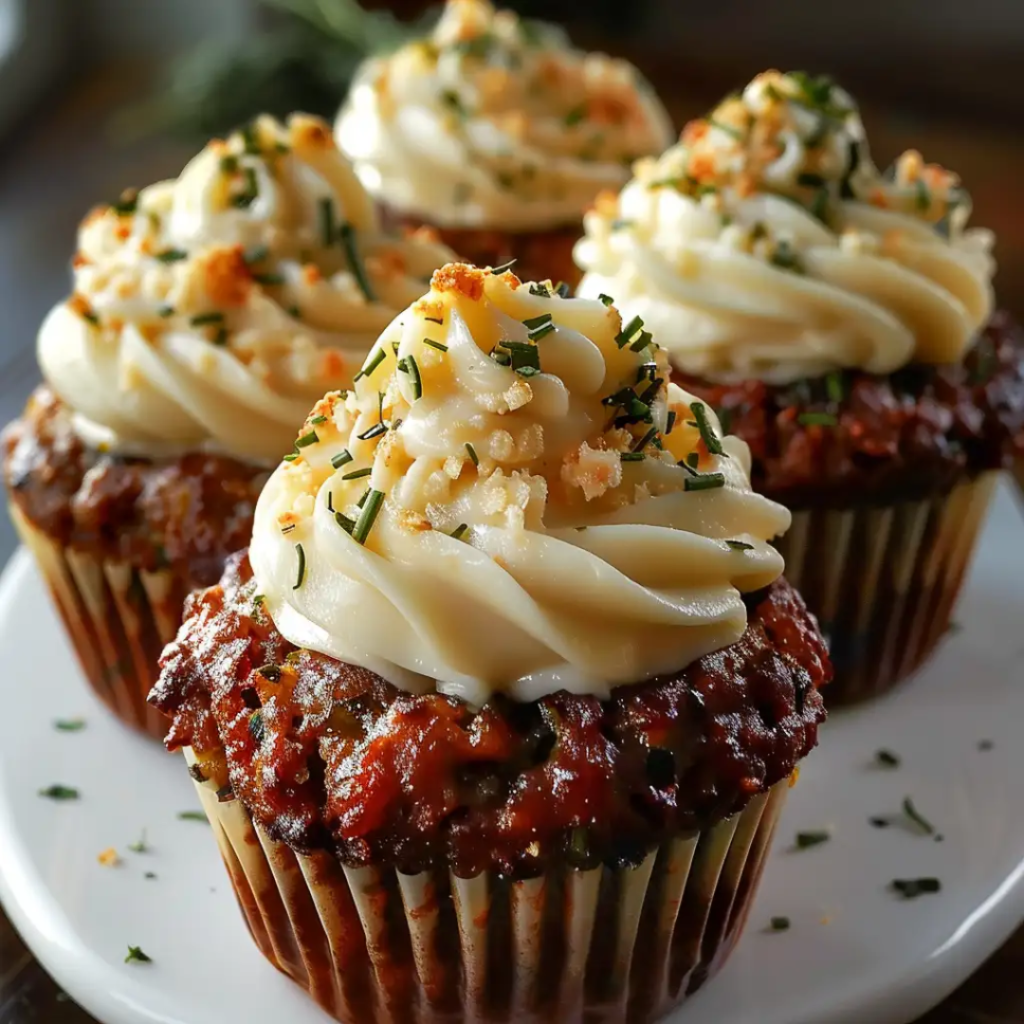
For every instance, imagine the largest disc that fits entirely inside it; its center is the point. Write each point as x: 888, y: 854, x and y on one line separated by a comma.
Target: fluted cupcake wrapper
x: 883, y: 580
x: 117, y: 617
x: 601, y: 946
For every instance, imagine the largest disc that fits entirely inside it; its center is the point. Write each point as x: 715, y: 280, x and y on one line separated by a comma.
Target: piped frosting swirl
x: 766, y: 244
x: 210, y: 311
x: 513, y: 498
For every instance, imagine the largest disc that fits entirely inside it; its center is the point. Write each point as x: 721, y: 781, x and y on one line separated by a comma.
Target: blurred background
x: 97, y: 95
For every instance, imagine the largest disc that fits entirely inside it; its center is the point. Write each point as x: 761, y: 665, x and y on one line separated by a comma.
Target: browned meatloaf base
x: 855, y: 438
x: 539, y: 255
x: 327, y: 755
x: 188, y: 513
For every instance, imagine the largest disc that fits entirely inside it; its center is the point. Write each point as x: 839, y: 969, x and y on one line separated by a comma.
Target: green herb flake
x: 69, y: 724
x: 164, y: 312
x: 193, y: 816
x: 605, y: 300
x: 922, y: 196
x: 503, y: 268
x: 629, y: 332
x: 348, y: 525
x: 707, y: 432
x: 269, y: 280
x: 576, y: 115
x: 140, y: 845
x: 910, y: 888
x: 136, y: 956
x: 357, y: 474
x: 172, y: 256
x: 435, y: 344
x: 735, y: 133
x: 409, y: 366
x: 150, y: 876
x: 739, y: 545
x: 328, y: 228
x: 985, y: 745
x: 376, y: 430
x: 368, y: 516
x: 704, y: 482
x: 805, y: 840
x: 670, y: 422
x: 779, y: 924
x: 631, y: 456
x: 374, y: 361
x: 257, y: 254
x: 244, y: 199
x: 202, y: 319
x: 835, y: 386
x: 817, y: 419
x: 917, y: 817
x: 343, y: 458
x: 460, y: 531
x: 59, y: 792
x: 887, y: 759
x: 301, y: 575
x: 471, y: 451
x: 307, y: 439
x: 229, y: 164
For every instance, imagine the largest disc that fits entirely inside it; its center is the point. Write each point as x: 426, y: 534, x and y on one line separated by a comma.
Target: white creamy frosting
x: 520, y: 530
x: 209, y: 312
x: 494, y: 122
x: 765, y: 244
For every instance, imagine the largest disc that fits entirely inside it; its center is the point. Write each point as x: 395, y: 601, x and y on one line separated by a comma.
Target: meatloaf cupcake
x: 496, y: 719
x: 497, y: 133
x: 207, y: 314
x: 841, y: 321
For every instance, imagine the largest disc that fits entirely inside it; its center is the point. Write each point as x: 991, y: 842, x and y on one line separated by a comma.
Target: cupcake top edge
x: 209, y: 311
x: 513, y: 498
x: 495, y: 121
x: 766, y: 244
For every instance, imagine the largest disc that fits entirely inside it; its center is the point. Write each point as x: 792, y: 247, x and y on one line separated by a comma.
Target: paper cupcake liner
x: 117, y: 617
x: 603, y: 946
x: 883, y: 580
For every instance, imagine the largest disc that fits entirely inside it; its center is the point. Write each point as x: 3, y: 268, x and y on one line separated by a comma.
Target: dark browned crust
x: 539, y: 255
x: 326, y: 755
x: 903, y: 437
x: 187, y: 514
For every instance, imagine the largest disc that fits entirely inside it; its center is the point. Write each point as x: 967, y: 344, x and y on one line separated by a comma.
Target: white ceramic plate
x: 854, y: 953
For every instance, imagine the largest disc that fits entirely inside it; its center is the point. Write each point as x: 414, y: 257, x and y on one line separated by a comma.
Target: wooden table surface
x: 61, y: 163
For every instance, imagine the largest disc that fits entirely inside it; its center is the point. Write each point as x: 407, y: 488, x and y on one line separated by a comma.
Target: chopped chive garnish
x: 140, y: 845
x: 643, y: 339
x: 503, y: 268
x: 626, y: 335
x: 269, y: 280
x: 257, y: 728
x: 671, y: 421
x: 327, y: 226
x: 736, y: 133
x: 917, y: 818
x: 817, y: 419
x: 693, y: 461
x: 606, y: 299
x: 631, y: 456
x: 250, y: 138
x: 434, y: 319
x: 375, y: 431
x: 835, y: 386
x: 348, y: 525
x: 435, y: 344
x: 707, y: 433
x: 59, y: 792
x: 409, y: 365
x: 986, y: 745
x: 527, y: 371
x: 562, y: 290
x: 165, y: 311
x: 358, y: 474
x: 294, y: 312
x: 172, y: 255
x: 69, y: 724
x: 460, y: 531
x: 127, y: 204
x: 229, y: 164
x: 780, y: 924
x: 192, y: 816
x: 704, y: 482
x: 922, y: 197
x: 395, y: 346
x: 646, y: 440
x: 349, y: 243
x: 540, y: 289
x: 368, y: 516
x: 805, y: 840
x: 257, y: 254
x: 887, y: 759
x: 248, y: 196
x: 307, y: 439
x: 576, y: 115
x: 221, y: 337
x: 342, y: 458
x: 317, y: 420
x: 206, y: 318
x: 135, y: 955
x: 291, y: 457
x: 330, y: 501
x: 362, y: 501
x: 539, y: 326
x: 739, y: 545
x: 375, y: 361
x: 908, y: 888
x: 300, y: 551
x: 472, y: 454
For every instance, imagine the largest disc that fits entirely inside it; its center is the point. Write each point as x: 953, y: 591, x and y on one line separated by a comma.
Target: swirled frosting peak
x: 494, y: 121
x: 513, y: 499
x: 766, y: 244
x: 208, y: 312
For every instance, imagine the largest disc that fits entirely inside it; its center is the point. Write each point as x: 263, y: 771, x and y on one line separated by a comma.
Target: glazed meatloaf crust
x: 327, y: 755
x: 189, y: 513
x: 853, y: 438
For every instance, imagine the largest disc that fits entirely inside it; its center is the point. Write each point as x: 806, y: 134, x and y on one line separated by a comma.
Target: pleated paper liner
x: 883, y: 581
x: 602, y: 946
x: 117, y: 617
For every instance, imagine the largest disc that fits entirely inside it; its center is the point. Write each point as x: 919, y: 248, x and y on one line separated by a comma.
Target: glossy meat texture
x: 327, y: 755
x: 852, y: 438
x: 188, y: 513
